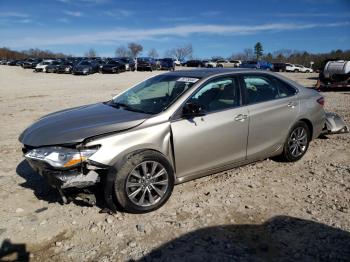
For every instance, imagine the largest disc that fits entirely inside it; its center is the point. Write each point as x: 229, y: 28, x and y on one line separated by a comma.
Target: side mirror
x: 192, y: 109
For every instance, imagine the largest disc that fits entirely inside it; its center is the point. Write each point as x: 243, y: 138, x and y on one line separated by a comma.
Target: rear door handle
x: 292, y: 104
x: 241, y: 117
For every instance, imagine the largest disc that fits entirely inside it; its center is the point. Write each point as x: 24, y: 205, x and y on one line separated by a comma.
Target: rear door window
x: 260, y: 89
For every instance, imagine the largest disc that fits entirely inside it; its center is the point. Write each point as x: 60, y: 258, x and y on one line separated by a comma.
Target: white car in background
x: 292, y: 68
x: 41, y: 67
x: 177, y: 62
x: 228, y: 63
x: 304, y: 69
x: 211, y: 64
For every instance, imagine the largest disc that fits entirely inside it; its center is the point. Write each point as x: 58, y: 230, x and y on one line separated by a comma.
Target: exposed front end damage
x: 83, y: 173
x: 334, y: 124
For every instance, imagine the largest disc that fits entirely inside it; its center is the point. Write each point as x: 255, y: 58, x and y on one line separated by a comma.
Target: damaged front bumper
x: 334, y: 124
x: 79, y: 177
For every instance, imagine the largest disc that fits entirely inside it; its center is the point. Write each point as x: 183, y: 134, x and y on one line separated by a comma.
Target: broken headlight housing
x: 60, y: 157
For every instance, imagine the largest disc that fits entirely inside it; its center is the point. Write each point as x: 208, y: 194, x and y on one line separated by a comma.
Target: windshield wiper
x: 127, y: 107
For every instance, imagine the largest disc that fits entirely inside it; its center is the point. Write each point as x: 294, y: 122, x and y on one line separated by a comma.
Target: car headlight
x: 60, y: 157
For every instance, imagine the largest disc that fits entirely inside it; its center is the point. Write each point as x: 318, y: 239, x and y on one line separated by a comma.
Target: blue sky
x: 219, y: 27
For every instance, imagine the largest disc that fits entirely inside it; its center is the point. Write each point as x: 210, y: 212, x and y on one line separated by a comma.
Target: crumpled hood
x: 76, y: 124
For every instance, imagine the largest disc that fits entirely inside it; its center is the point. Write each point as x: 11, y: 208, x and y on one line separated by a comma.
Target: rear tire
x: 140, y: 173
x: 297, y: 142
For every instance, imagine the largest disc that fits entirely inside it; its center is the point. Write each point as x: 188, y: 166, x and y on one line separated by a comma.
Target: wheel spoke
x: 144, y: 168
x: 133, y: 194
x: 136, y: 174
x: 297, y: 150
x: 150, y: 197
x: 133, y: 184
x: 160, y: 173
x: 302, y: 138
x: 154, y: 166
x: 159, y: 192
x: 142, y: 199
x: 163, y: 182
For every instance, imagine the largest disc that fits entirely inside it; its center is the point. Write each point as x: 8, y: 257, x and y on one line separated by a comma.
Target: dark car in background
x: 146, y: 64
x: 129, y: 63
x: 31, y: 63
x: 264, y: 65
x: 12, y: 62
x: 279, y: 67
x: 195, y: 63
x: 85, y: 67
x: 52, y: 68
x: 113, y: 66
x: 65, y: 67
x: 166, y: 64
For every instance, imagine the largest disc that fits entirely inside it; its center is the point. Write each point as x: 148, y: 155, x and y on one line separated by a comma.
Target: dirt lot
x: 261, y: 212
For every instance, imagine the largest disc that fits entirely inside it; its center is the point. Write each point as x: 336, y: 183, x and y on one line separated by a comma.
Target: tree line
x: 186, y: 52
x: 7, y: 53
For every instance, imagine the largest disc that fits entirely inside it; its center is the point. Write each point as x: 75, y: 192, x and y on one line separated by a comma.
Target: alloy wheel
x: 147, y: 183
x: 297, y: 143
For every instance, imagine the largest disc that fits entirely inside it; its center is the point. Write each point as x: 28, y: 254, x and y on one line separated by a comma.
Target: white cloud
x: 14, y: 14
x: 73, y: 13
x: 63, y: 20
x: 312, y: 15
x: 124, y: 34
x: 211, y: 13
x: 78, y: 2
x: 118, y: 14
x: 25, y: 21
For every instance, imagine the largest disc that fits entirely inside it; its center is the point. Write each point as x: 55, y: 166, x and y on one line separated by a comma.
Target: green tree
x: 258, y: 50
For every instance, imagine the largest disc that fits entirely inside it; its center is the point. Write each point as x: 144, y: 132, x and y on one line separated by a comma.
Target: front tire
x: 144, y: 182
x: 297, y: 142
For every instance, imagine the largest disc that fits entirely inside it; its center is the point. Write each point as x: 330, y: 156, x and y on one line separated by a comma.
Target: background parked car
x: 52, y: 68
x: 279, y: 67
x: 166, y: 64
x: 65, y: 67
x: 228, y: 63
x: 195, y: 63
x: 113, y: 66
x: 146, y: 63
x: 129, y: 63
x: 31, y: 63
x: 41, y: 67
x: 264, y: 65
x: 211, y: 64
x: 177, y: 62
x: 85, y: 67
x: 304, y: 69
x: 292, y: 68
x: 12, y: 62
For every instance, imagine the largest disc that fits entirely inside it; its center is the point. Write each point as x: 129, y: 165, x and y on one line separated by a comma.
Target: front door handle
x: 241, y: 117
x: 292, y: 104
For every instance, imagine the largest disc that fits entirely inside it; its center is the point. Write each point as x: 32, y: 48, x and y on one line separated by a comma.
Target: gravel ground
x: 267, y: 211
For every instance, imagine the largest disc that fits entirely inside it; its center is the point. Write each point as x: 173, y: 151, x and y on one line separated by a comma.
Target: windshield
x: 155, y: 94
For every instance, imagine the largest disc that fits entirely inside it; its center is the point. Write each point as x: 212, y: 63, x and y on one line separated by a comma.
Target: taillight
x: 321, y: 101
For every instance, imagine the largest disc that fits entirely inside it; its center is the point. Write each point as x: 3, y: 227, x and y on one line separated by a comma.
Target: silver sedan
x: 173, y: 128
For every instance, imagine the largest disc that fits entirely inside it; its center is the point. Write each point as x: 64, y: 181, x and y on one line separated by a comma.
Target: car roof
x: 206, y: 72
